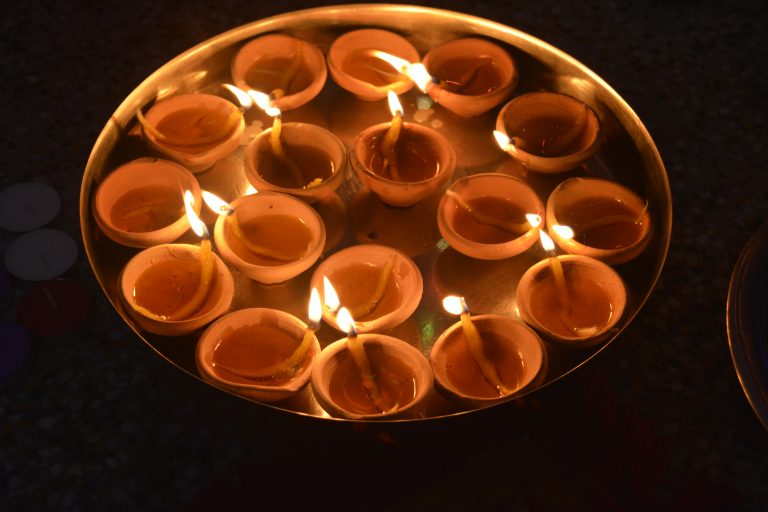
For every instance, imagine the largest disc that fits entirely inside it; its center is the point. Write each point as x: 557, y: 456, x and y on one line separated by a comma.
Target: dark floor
x: 93, y: 420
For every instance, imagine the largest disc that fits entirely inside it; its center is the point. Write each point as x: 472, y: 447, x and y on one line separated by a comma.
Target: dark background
x: 94, y: 420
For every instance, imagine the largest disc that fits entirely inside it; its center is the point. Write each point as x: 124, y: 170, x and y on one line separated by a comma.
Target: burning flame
x: 346, y: 322
x: 546, y: 241
x: 250, y: 190
x: 330, y: 296
x: 315, y: 312
x: 415, y: 71
x: 197, y: 225
x: 242, y: 97
x: 455, y: 305
x: 217, y: 204
x: 533, y: 219
x: 394, y: 103
x: 563, y: 231
x: 503, y: 141
x: 264, y: 102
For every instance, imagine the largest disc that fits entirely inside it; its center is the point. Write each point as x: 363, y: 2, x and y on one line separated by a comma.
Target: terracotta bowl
x: 373, y: 258
x: 519, y: 348
x: 299, y: 134
x: 462, y: 58
x: 551, y: 132
x: 379, y: 348
x: 249, y: 208
x: 584, y: 202
x: 402, y: 193
x: 596, y: 292
x: 217, y: 302
x: 280, y: 49
x: 365, y: 76
x: 141, y: 203
x: 195, y: 158
x: 458, y: 228
x: 261, y: 390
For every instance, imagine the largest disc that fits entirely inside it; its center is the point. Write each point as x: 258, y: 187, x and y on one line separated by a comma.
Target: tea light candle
x: 458, y: 306
x: 355, y: 347
x: 28, y: 205
x: 41, y: 254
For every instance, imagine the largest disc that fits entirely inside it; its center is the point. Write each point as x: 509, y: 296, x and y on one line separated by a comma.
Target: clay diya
x: 269, y: 237
x: 174, y: 289
x: 196, y: 130
x: 302, y: 160
x: 575, y: 300
x: 140, y: 204
x: 263, y: 354
x: 370, y: 376
x: 548, y: 132
x: 164, y: 289
x: 473, y: 75
x: 490, y: 216
x: 380, y: 285
x: 289, y: 69
x: 401, y: 162
x: 356, y: 68
x: 610, y: 222
x: 485, y: 359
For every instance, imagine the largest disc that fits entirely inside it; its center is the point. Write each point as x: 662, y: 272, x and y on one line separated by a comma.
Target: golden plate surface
x: 627, y: 156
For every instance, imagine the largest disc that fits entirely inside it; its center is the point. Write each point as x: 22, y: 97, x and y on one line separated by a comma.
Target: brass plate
x: 628, y: 156
x: 747, y: 322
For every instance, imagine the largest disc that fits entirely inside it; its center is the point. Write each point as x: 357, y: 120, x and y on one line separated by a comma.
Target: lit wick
x: 555, y: 266
x: 266, y: 103
x: 355, y: 346
x: 221, y: 207
x: 293, y: 362
x: 509, y: 145
x: 389, y: 141
x: 414, y: 70
x: 206, y: 269
x: 531, y: 219
x: 458, y: 306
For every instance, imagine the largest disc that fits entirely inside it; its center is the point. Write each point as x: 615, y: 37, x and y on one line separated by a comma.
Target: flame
x: 421, y: 77
x: 503, y: 141
x: 315, y: 312
x: 346, y: 322
x: 242, y: 97
x: 563, y: 231
x: 250, y: 190
x: 215, y: 203
x: 394, y: 103
x: 455, y: 305
x: 546, y: 241
x: 401, y: 65
x: 415, y: 71
x: 533, y: 219
x: 264, y: 102
x: 197, y: 225
x: 330, y: 296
